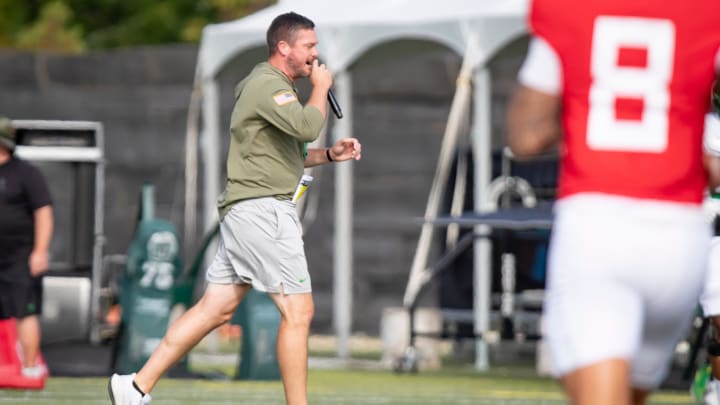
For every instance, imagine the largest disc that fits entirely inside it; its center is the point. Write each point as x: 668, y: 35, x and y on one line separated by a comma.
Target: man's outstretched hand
x: 346, y: 149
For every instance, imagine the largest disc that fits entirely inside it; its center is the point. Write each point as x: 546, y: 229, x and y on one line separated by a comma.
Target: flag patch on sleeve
x: 284, y: 97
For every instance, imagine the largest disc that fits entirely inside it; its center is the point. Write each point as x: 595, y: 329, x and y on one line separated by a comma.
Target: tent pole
x: 482, y: 152
x: 460, y: 104
x: 211, y: 179
x: 210, y: 152
x: 457, y: 204
x: 191, y: 167
x: 343, y: 256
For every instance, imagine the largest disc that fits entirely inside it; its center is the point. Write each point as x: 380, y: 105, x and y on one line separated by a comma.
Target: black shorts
x: 21, y: 299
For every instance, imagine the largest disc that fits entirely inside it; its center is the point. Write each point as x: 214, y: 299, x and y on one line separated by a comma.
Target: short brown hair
x: 284, y: 28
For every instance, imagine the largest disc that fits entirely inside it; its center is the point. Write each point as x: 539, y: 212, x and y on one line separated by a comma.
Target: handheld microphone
x: 334, y: 104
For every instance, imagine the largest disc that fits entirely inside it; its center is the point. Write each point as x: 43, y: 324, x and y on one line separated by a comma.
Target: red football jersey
x: 636, y: 87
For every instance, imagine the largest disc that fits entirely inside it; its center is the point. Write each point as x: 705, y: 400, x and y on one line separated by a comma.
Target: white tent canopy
x: 346, y: 31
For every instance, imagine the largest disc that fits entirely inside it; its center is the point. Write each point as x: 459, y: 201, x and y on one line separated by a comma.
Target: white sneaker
x: 712, y: 393
x: 122, y: 392
x: 39, y: 371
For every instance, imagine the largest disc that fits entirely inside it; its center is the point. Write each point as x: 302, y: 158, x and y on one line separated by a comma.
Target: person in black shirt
x: 26, y: 226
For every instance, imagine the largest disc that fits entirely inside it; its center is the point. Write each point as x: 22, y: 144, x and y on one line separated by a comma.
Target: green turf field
x: 331, y: 387
x: 512, y: 380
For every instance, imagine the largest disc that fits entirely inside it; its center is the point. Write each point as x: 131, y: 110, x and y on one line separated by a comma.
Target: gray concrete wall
x: 141, y: 96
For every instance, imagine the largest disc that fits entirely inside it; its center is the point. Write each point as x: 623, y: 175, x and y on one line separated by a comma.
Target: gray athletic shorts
x: 261, y: 244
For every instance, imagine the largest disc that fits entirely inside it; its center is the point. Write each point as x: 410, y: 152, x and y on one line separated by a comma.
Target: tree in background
x: 52, y: 31
x: 76, y: 25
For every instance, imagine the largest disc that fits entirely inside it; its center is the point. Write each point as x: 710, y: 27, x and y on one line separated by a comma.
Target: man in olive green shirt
x: 266, y: 156
x: 261, y: 243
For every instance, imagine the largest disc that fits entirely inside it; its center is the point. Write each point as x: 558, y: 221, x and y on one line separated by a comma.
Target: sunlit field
x: 365, y: 379
x: 499, y: 386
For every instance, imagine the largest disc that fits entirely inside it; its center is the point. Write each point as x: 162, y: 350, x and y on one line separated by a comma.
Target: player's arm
x: 712, y: 165
x: 533, y: 122
x: 39, y: 258
x: 711, y: 141
x: 533, y: 115
x: 40, y: 201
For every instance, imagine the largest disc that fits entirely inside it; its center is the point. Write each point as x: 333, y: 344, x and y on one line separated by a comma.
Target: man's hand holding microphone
x: 321, y: 78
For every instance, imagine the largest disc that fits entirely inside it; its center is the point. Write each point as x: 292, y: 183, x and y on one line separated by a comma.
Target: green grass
x: 455, y: 386
x: 509, y: 382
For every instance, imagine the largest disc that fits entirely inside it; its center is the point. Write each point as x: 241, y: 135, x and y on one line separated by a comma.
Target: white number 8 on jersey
x: 647, y: 84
